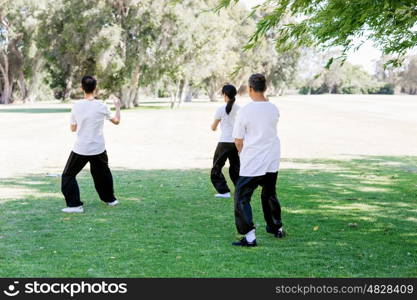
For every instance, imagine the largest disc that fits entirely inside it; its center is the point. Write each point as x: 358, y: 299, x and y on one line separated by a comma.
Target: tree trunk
x: 7, y: 85
x: 16, y: 71
x: 186, y: 93
x: 129, y: 97
x: 129, y: 94
x: 136, y: 100
x: 67, y: 90
x: 180, y: 89
x: 6, y: 93
x: 125, y: 97
x: 172, y: 100
x: 175, y: 94
x: 134, y: 83
x: 22, y: 86
x: 240, y: 86
x: 212, y: 93
x: 35, y: 78
x: 188, y: 96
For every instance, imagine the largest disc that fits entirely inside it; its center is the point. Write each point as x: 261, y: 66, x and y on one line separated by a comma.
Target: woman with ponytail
x: 226, y: 149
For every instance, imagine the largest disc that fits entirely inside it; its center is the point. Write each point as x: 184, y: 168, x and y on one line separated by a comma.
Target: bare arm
x: 73, y: 127
x: 116, y: 119
x: 215, y: 124
x: 239, y: 144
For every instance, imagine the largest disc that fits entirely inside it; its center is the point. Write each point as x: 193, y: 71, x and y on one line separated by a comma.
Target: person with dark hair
x: 257, y: 141
x: 88, y: 84
x: 226, y: 148
x: 87, y: 119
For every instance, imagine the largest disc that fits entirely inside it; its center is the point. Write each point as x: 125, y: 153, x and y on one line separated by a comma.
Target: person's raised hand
x: 117, y: 103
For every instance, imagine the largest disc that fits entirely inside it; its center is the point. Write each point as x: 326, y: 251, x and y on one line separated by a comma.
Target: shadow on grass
x: 35, y: 110
x: 154, y: 102
x: 355, y: 218
x: 67, y: 110
x: 150, y: 107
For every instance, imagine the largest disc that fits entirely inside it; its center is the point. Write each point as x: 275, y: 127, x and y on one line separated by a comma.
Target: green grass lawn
x: 354, y: 218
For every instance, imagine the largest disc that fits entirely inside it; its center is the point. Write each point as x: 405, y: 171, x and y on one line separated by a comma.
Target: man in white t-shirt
x: 257, y: 141
x: 87, y: 119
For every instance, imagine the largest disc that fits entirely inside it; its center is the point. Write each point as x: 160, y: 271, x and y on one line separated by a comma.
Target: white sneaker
x: 114, y: 203
x: 225, y: 195
x: 78, y: 209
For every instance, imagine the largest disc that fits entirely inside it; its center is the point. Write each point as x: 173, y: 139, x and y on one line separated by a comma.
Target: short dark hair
x: 257, y: 82
x: 89, y: 84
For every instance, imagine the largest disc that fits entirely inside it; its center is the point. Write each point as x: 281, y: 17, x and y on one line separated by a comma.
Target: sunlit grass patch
x: 356, y: 218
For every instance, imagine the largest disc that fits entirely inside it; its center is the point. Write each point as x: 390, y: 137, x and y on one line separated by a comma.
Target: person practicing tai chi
x: 256, y: 139
x: 87, y: 119
x: 226, y: 148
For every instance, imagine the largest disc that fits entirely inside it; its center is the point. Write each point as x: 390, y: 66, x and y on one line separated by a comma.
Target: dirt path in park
x: 35, y: 139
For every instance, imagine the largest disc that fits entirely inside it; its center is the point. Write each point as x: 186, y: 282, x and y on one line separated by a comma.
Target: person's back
x: 89, y: 115
x: 87, y: 119
x: 262, y: 146
x: 226, y: 149
x: 227, y: 122
x: 256, y: 138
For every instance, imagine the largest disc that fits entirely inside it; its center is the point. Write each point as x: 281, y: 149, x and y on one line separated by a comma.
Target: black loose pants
x: 270, y: 205
x: 99, y: 167
x: 225, y: 151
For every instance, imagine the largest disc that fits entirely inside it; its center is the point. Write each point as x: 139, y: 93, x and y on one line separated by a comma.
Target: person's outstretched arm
x: 116, y: 119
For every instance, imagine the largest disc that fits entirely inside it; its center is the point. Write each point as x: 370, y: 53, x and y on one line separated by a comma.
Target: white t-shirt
x: 89, y: 115
x: 256, y: 123
x: 227, y: 122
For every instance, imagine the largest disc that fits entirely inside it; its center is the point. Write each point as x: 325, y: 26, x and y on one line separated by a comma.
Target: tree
x: 17, y: 27
x: 344, y: 78
x: 310, y: 65
x: 209, y: 52
x: 118, y: 41
x: 206, y: 48
x: 280, y: 69
x: 322, y: 23
x: 147, y: 31
x: 402, y: 79
x: 65, y: 37
x: 408, y: 77
x: 178, y: 47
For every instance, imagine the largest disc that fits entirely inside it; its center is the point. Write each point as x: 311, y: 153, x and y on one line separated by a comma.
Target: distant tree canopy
x: 391, y: 24
x: 174, y: 48
x: 181, y: 48
x: 315, y: 78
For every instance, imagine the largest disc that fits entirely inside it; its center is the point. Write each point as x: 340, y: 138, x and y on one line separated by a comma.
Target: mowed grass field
x: 344, y: 218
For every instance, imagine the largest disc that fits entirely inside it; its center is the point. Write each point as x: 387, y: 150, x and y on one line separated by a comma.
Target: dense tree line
x: 175, y: 48
x: 180, y: 49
